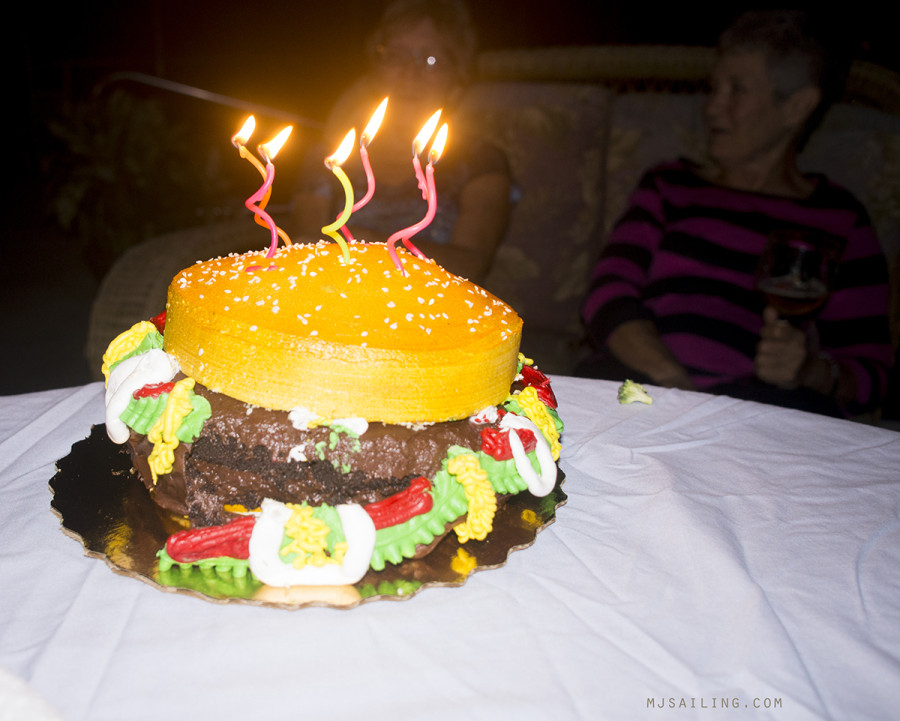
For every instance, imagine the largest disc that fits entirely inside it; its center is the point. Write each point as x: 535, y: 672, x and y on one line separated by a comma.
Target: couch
x: 579, y: 125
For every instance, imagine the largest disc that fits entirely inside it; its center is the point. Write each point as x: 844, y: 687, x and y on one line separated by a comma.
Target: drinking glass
x: 796, y: 272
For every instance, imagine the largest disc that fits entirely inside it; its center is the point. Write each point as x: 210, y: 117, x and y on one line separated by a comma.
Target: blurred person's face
x: 746, y: 123
x: 416, y: 69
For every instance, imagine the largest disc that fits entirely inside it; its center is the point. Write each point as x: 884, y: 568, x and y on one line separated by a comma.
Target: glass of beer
x: 796, y: 271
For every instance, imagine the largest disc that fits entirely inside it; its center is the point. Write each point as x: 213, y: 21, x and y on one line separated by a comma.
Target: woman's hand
x: 637, y: 344
x: 781, y: 352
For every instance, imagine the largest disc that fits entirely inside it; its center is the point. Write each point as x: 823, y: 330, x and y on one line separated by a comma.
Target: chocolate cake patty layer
x: 247, y: 453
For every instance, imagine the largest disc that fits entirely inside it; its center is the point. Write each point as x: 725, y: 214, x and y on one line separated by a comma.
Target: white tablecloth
x: 724, y: 558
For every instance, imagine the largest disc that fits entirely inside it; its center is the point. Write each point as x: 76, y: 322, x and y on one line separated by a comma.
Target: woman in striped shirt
x: 673, y: 299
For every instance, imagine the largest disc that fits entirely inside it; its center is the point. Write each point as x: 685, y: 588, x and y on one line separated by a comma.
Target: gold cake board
x: 101, y: 501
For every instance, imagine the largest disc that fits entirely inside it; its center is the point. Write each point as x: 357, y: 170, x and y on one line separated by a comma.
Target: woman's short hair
x: 799, y: 52
x: 451, y: 19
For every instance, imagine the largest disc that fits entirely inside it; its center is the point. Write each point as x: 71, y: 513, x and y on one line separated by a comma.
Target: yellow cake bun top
x: 306, y: 329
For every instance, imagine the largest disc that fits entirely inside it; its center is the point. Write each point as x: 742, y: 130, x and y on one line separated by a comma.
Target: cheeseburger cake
x: 311, y: 416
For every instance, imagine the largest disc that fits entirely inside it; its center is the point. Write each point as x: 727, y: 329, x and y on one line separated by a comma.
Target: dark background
x: 94, y: 166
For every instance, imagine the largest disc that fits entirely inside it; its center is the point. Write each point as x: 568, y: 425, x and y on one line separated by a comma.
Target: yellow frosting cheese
x: 537, y: 412
x: 479, y: 494
x: 307, y: 536
x: 162, y: 434
x: 124, y: 343
x: 305, y: 329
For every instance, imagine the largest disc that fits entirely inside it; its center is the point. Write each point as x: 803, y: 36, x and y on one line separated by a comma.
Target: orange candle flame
x: 270, y: 149
x: 425, y: 133
x: 243, y: 135
x: 374, y: 123
x: 437, y: 147
x: 339, y: 157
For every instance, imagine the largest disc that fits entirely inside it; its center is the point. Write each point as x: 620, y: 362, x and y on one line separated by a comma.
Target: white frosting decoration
x: 268, y: 533
x: 357, y: 426
x: 486, y: 415
x: 154, y: 366
x: 539, y: 484
x: 303, y: 419
x: 297, y: 454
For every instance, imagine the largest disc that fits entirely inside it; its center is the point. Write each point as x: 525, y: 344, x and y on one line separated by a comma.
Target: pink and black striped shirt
x: 685, y: 253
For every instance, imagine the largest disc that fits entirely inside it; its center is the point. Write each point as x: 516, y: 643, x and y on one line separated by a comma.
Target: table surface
x: 713, y: 553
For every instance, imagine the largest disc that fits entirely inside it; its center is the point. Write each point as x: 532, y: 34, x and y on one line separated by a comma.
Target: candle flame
x: 374, y: 123
x: 243, y: 135
x: 270, y: 150
x: 339, y: 157
x: 437, y: 147
x: 425, y: 133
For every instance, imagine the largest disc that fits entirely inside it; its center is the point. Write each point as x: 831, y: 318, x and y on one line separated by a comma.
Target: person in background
x: 421, y: 56
x: 673, y: 298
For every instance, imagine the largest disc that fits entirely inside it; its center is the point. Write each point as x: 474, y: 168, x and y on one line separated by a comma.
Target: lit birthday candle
x: 239, y: 140
x: 419, y: 143
x: 437, y: 148
x: 333, y: 163
x: 368, y: 134
x: 268, y: 151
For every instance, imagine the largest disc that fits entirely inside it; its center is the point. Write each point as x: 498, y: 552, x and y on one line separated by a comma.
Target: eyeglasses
x: 399, y: 57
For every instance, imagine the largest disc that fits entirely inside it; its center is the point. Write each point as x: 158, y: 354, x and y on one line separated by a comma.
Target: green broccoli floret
x: 631, y: 392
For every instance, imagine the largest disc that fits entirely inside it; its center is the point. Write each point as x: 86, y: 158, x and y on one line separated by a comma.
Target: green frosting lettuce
x: 219, y: 565
x: 503, y: 475
x: 222, y: 577
x: 389, y: 588
x: 351, y: 445
x: 338, y: 428
x: 512, y: 405
x: 320, y: 450
x: 395, y: 543
x: 190, y: 427
x: 141, y: 413
x: 557, y: 421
